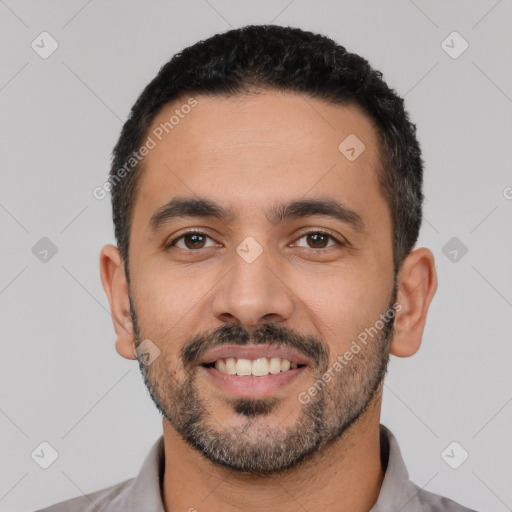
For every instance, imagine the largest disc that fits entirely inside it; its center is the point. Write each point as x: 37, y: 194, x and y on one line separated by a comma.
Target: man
x: 267, y: 197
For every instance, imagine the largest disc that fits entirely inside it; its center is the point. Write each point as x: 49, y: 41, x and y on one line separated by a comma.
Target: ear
x: 417, y: 284
x: 114, y: 282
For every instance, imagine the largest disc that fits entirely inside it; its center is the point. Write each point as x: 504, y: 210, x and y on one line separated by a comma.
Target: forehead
x: 248, y: 151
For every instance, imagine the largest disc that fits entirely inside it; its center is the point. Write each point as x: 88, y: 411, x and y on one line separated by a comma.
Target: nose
x: 253, y: 293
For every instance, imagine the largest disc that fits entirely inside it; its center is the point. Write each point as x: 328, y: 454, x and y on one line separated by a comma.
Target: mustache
x: 312, y: 347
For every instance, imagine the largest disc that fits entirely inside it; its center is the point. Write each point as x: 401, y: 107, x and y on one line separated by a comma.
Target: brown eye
x: 196, y: 241
x: 190, y: 241
x: 319, y: 240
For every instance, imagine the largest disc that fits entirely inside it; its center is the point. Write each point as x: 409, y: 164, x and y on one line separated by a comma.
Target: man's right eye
x: 192, y: 240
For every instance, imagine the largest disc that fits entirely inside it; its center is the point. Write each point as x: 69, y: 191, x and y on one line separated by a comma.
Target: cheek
x: 342, y: 306
x: 167, y: 302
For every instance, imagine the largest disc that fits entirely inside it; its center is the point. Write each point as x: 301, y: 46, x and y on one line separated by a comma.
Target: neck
x: 346, y: 475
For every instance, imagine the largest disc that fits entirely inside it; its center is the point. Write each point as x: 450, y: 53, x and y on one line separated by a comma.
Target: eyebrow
x: 180, y: 207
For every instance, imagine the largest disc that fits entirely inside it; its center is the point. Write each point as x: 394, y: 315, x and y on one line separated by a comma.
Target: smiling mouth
x: 259, y: 367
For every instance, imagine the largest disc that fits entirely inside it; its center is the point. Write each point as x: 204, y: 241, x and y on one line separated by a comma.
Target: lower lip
x: 250, y: 386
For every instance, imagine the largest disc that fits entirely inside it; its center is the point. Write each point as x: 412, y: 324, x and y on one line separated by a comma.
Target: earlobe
x: 115, y: 284
x: 417, y: 282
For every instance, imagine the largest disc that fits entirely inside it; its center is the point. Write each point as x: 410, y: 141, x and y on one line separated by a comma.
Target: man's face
x: 257, y: 284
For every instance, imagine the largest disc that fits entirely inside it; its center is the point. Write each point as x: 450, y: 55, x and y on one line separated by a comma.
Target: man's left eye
x: 319, y: 239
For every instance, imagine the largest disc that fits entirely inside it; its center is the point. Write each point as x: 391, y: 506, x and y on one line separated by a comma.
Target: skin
x: 247, y: 153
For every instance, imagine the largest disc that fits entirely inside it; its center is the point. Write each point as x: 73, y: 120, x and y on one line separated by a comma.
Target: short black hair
x: 284, y: 59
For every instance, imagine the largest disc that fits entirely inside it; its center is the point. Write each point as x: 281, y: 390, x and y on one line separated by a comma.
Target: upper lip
x: 252, y: 352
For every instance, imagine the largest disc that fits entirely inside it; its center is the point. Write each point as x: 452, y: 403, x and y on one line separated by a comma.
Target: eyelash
x: 172, y: 242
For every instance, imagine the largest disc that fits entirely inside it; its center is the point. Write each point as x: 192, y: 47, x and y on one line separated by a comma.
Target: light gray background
x: 63, y: 382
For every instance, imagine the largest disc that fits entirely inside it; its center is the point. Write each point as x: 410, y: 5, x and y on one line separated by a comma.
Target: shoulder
x: 92, y: 502
x: 398, y: 492
x: 431, y: 502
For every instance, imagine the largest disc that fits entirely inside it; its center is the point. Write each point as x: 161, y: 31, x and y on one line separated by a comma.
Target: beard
x: 256, y: 447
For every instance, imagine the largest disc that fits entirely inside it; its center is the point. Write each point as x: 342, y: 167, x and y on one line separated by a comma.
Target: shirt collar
x: 397, y: 491
x: 146, y: 489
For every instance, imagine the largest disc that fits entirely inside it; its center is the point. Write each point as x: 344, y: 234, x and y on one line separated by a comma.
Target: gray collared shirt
x: 143, y: 493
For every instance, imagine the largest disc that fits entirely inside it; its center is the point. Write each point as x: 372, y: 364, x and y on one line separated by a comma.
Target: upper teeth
x: 258, y: 367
